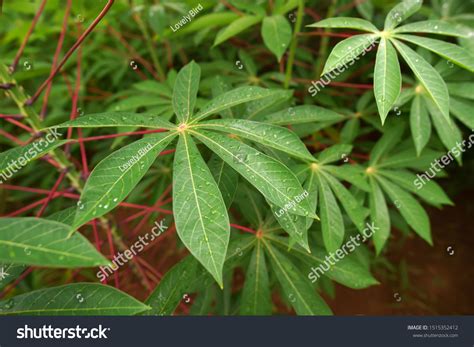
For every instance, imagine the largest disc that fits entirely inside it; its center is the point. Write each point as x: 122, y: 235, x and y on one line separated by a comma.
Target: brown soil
x: 438, y: 283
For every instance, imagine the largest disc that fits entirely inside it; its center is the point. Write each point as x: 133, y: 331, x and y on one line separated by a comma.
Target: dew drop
x: 79, y: 297
x: 9, y: 304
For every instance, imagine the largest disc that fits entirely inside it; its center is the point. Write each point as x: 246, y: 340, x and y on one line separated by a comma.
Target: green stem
x: 149, y: 44
x: 294, y: 43
x: 18, y: 96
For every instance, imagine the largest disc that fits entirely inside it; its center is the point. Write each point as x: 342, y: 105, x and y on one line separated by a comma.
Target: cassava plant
x: 197, y: 128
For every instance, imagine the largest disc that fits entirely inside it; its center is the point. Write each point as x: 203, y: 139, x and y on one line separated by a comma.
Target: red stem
x: 27, y: 37
x: 15, y: 283
x: 59, y: 46
x: 96, y: 21
x: 51, y: 193
x: 240, y: 227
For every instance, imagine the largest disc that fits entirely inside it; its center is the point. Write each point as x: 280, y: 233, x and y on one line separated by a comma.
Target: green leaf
x: 269, y: 135
x: 178, y: 281
x: 185, y: 91
x: 256, y: 296
x: 345, y: 22
x: 115, y: 176
x: 352, y: 174
x: 303, y: 114
x: 78, y: 299
x: 41, y: 242
x: 236, y: 27
x: 409, y: 208
x: 12, y: 160
x: 232, y: 98
x: 347, y: 52
x: 199, y: 209
x: 225, y: 177
x: 188, y: 276
x: 258, y: 109
x: 461, y: 89
x: 449, y: 51
x: 401, y: 12
x: 354, y: 210
x: 428, y: 76
x: 387, y: 142
x: 433, y: 27
x: 276, y: 33
x: 420, y: 124
x: 348, y: 271
x: 65, y: 216
x: 387, y: 78
x: 118, y: 119
x: 293, y: 224
x: 462, y: 110
x: 408, y: 159
x: 448, y: 132
x: 9, y: 272
x: 332, y: 224
x: 296, y: 288
x: 379, y: 215
x: 273, y: 179
x: 208, y: 20
x: 334, y: 153
x: 430, y: 191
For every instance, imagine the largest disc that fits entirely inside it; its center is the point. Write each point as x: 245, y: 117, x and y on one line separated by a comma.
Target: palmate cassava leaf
x: 227, y: 179
x: 293, y: 224
x: 9, y: 272
x: 270, y: 135
x: 256, y: 295
x: 178, y: 281
x: 276, y: 34
x: 78, y: 299
x: 303, y: 114
x: 387, y: 142
x: 185, y: 91
x: 409, y: 208
x: 347, y: 271
x: 448, y: 132
x: 428, y: 76
x: 400, y: 12
x: 332, y: 224
x: 449, y: 51
x: 41, y: 242
x: 114, y: 177
x: 232, y: 98
x: 379, y: 215
x: 334, y: 153
x: 199, y: 209
x: 237, y: 26
x: 433, y: 26
x: 118, y: 119
x: 387, y: 78
x: 296, y: 287
x: 431, y: 192
x: 13, y: 159
x: 188, y: 276
x: 461, y: 109
x: 352, y: 207
x: 273, y: 179
x: 346, y: 51
x: 346, y: 23
x: 420, y: 123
